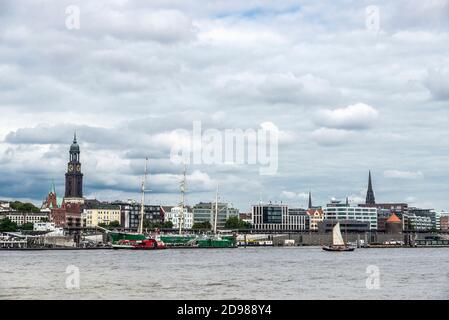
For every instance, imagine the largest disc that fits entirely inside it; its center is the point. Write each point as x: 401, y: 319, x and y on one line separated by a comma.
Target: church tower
x: 74, y: 177
x: 370, y: 199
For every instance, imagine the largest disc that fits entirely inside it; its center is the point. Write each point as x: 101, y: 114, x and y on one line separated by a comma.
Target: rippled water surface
x: 243, y: 273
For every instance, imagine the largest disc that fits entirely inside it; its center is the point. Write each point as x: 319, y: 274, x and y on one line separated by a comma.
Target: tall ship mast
x: 216, y: 211
x: 142, y: 202
x: 182, y: 205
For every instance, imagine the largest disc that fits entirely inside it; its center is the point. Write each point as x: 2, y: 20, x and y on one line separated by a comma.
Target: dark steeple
x: 310, y: 200
x: 370, y: 199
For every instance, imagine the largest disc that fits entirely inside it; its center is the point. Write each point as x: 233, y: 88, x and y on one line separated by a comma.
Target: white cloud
x: 353, y: 117
x: 403, y: 174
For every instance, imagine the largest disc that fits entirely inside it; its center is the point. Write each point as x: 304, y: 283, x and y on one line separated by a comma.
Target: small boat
x: 338, y: 244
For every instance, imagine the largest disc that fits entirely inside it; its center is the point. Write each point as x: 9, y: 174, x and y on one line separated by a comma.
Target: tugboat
x: 338, y: 244
x: 146, y: 244
x: 128, y: 240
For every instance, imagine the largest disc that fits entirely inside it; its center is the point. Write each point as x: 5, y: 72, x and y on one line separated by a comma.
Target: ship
x: 136, y: 240
x: 338, y: 244
x: 183, y: 240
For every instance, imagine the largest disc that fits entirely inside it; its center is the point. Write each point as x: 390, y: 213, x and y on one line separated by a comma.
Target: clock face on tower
x: 78, y: 168
x: 70, y: 167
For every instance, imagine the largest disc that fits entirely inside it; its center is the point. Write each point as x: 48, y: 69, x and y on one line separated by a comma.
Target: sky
x: 349, y: 91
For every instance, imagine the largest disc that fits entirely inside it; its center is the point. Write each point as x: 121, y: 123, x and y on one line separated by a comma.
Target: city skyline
x: 345, y: 98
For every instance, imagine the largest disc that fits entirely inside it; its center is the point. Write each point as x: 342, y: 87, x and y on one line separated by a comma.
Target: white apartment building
x: 174, y: 216
x: 343, y: 211
x: 21, y: 218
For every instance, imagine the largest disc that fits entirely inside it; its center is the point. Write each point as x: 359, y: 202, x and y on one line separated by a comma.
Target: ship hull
x: 194, y: 241
x: 338, y: 249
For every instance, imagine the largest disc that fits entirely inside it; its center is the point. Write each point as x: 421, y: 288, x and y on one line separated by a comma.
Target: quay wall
x: 320, y: 239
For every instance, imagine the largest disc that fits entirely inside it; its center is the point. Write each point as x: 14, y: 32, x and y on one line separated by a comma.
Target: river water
x: 243, y: 273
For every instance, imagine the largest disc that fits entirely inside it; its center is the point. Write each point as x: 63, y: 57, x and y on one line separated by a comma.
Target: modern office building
x: 346, y: 226
x: 130, y: 213
x: 417, y: 223
x: 427, y: 213
x: 205, y: 211
x: 344, y: 211
x: 278, y: 217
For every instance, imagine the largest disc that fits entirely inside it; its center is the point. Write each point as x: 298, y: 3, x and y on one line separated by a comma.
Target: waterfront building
x: 315, y: 216
x: 67, y: 216
x: 344, y: 211
x: 440, y: 215
x: 174, y: 216
x: 278, y: 217
x: 417, y: 223
x: 130, y: 213
x: 21, y: 218
x: 246, y: 217
x: 346, y: 226
x: 370, y: 199
x: 393, y: 225
x: 397, y: 208
x: 444, y: 223
x: 74, y: 177
x: 420, y: 212
x: 205, y: 211
x: 95, y: 215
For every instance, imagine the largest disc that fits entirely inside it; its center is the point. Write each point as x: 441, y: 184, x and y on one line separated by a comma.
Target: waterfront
x: 243, y: 273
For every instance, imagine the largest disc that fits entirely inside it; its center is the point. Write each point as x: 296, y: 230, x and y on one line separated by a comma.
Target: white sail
x: 337, y: 239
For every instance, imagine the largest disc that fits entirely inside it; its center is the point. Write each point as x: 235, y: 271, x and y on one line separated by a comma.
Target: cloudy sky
x: 345, y: 95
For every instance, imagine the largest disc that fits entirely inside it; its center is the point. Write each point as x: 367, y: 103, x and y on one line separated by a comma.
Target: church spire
x: 310, y: 200
x: 370, y: 199
x: 74, y: 137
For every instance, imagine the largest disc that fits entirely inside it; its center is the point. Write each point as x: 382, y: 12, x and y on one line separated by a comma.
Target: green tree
x: 202, y: 225
x: 167, y: 225
x: 27, y: 226
x: 6, y: 225
x: 236, y: 223
x: 114, y: 224
x: 23, y: 206
x: 110, y: 225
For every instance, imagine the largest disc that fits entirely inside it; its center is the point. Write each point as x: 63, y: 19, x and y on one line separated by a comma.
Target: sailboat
x: 132, y: 240
x: 338, y: 244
